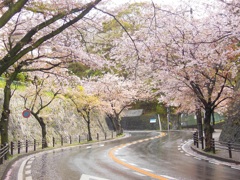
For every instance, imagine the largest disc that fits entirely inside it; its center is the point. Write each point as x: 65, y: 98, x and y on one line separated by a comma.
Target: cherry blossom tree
x: 40, y: 21
x: 26, y: 29
x: 36, y: 101
x: 38, y: 60
x: 187, y: 60
x: 117, y: 94
x: 85, y: 104
x: 201, y: 61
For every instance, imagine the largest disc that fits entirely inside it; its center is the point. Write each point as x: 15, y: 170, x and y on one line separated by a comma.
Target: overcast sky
x: 199, y: 11
x: 169, y: 2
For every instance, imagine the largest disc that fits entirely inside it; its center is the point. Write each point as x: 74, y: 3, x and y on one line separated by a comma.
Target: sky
x: 199, y: 10
x: 167, y: 2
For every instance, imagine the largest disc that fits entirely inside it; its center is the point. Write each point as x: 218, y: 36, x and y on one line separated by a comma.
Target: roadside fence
x: 217, y: 145
x: 3, y: 152
x: 26, y: 146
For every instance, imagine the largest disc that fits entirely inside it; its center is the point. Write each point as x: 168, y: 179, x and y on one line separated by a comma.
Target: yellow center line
x: 147, y: 173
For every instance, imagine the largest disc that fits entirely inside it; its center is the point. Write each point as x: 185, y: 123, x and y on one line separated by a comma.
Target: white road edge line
x: 87, y: 177
x: 28, y: 172
x: 123, y: 159
x: 147, y: 169
x: 235, y: 167
x: 212, y: 162
x: 28, y: 167
x: 139, y: 174
x: 197, y: 158
x: 132, y: 164
x: 168, y: 177
x: 28, y: 178
x: 20, y: 171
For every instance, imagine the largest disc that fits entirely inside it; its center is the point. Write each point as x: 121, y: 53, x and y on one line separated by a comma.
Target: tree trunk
x: 208, y: 130
x: 113, y: 122
x: 6, y: 112
x: 89, y: 131
x: 44, y: 134
x: 88, y: 126
x: 100, y: 125
x: 43, y: 127
x: 179, y: 121
x: 6, y: 105
x: 213, y: 120
x: 168, y: 118
x: 119, y: 129
x: 4, y: 126
x: 199, y: 122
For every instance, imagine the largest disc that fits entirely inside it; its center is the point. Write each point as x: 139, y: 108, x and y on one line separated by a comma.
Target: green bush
x: 21, y: 77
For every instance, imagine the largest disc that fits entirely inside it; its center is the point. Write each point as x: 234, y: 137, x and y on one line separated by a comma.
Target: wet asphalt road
x: 159, y: 156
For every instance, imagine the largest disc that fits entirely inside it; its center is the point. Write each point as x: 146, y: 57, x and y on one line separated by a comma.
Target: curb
x: 200, y: 151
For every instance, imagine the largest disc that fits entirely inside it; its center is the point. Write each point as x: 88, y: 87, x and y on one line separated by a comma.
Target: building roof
x: 133, y: 113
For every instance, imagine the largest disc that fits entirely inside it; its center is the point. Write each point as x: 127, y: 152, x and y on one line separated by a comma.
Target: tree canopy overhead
x: 33, y: 23
x: 191, y: 60
x: 188, y: 55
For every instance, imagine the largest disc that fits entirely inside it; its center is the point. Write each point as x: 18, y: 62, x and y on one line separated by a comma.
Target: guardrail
x: 217, y: 145
x: 26, y: 146
x: 3, y: 152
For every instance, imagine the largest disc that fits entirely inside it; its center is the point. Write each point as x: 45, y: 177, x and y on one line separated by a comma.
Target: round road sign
x: 26, y: 113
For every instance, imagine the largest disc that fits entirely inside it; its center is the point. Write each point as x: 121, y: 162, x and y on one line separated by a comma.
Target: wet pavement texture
x: 169, y: 157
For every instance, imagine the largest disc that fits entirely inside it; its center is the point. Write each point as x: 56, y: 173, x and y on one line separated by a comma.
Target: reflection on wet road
x: 139, y: 157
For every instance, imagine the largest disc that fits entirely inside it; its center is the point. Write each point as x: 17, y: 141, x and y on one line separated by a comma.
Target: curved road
x: 143, y: 155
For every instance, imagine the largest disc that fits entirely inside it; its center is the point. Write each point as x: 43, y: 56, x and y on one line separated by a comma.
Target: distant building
x: 137, y: 120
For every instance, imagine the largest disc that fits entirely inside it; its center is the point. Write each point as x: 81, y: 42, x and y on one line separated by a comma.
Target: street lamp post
x: 160, y: 124
x: 168, y: 117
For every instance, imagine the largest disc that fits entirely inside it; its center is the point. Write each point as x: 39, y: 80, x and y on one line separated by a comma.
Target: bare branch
x: 13, y: 9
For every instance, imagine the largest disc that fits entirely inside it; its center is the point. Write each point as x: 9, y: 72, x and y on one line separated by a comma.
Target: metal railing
x: 217, y: 145
x: 226, y: 146
x: 26, y: 146
x: 3, y: 152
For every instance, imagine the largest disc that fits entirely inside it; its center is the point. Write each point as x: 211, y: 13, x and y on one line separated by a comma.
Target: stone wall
x: 61, y: 118
x: 230, y: 132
